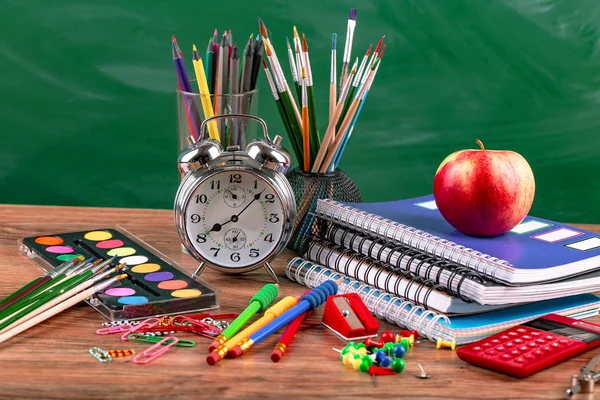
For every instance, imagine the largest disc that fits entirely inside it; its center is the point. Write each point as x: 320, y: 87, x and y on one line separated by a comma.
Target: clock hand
x: 256, y: 197
x: 232, y: 195
x: 218, y: 227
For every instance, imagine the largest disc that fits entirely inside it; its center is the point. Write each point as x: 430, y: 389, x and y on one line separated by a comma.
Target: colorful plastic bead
x: 398, y: 365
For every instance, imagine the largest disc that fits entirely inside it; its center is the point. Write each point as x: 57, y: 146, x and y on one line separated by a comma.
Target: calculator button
x: 513, y: 334
x: 546, y: 348
x: 495, y: 341
x: 538, y: 353
x: 556, y: 345
x: 509, y: 344
x: 526, y: 337
x: 532, y: 344
x: 486, y: 345
x: 563, y: 341
x: 521, y: 330
x: 523, y: 348
x: 549, y: 337
x: 518, y: 341
x: 505, y: 357
x: 529, y: 357
x: 491, y: 352
x: 515, y: 352
x: 504, y: 337
x: 519, y: 360
x: 534, y: 333
x: 500, y: 348
x: 476, y: 348
x: 541, y: 341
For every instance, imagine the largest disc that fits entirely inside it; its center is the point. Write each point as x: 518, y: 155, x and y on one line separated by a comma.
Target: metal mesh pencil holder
x: 308, y: 188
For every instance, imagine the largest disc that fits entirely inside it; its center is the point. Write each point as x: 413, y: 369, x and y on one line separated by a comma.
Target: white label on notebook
x: 585, y: 244
x: 557, y: 235
x: 529, y: 226
x: 430, y: 205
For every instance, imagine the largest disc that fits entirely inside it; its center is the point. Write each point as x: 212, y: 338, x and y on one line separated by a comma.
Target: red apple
x: 484, y: 192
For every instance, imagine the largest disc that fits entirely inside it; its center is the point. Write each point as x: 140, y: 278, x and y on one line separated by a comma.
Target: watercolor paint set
x: 155, y: 284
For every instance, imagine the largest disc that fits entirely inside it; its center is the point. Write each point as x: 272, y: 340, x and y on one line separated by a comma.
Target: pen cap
x: 270, y: 154
x: 198, y: 154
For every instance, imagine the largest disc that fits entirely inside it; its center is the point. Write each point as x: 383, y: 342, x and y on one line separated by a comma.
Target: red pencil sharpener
x: 347, y: 316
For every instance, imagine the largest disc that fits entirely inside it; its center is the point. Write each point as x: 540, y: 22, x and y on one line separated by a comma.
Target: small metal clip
x: 154, y: 339
x: 156, y: 350
x: 149, y: 323
x: 114, y: 329
x: 100, y: 355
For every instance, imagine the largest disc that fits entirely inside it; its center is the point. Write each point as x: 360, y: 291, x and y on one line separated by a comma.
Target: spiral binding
x: 340, y: 259
x: 425, y: 265
x: 372, y: 224
x: 383, y: 305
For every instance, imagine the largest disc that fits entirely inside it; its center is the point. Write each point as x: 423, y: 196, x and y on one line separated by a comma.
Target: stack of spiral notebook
x: 415, y: 270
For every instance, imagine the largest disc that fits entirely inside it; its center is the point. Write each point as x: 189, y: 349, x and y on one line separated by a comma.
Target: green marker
x: 258, y: 303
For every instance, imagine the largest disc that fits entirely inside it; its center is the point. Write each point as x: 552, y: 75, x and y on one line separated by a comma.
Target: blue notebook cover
x: 527, y: 311
x: 532, y: 246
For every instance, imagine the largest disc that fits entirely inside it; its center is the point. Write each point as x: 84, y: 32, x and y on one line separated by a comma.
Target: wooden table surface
x: 51, y: 360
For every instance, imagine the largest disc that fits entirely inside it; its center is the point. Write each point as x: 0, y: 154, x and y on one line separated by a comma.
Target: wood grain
x: 51, y: 360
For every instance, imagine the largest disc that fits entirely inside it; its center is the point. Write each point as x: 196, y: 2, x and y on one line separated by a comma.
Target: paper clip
x: 149, y: 323
x: 114, y: 329
x: 155, y: 351
x: 100, y: 355
x: 198, y: 327
x: 138, y: 337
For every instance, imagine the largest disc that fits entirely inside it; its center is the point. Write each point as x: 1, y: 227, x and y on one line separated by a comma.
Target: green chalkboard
x: 87, y: 105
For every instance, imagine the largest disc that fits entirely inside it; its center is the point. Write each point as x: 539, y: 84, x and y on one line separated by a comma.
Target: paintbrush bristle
x: 262, y: 28
x: 287, y: 42
x: 304, y: 44
x: 296, y: 33
x: 379, y: 44
x: 368, y: 50
x: 352, y: 14
x: 333, y: 41
x: 382, y: 51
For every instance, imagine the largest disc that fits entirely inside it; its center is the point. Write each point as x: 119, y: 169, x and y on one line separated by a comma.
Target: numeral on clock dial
x: 235, y: 219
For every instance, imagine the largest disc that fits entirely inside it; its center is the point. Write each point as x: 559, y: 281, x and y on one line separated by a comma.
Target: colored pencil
x: 348, y: 46
x: 305, y: 124
x: 209, y: 60
x: 258, y: 303
x: 315, y: 139
x: 71, y: 301
x: 234, y: 90
x: 287, y: 336
x: 204, y: 93
x: 269, y: 315
x: 194, y: 117
x: 333, y: 77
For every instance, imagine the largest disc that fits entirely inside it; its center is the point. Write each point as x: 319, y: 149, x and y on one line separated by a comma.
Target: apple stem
x: 480, y: 144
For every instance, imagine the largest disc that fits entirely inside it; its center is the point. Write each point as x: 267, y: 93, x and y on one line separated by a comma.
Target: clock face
x: 234, y: 219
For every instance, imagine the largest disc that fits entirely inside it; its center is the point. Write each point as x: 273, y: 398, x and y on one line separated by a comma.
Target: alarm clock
x: 234, y: 208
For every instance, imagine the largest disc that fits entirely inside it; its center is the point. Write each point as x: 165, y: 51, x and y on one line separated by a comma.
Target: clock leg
x: 199, y: 270
x: 271, y: 272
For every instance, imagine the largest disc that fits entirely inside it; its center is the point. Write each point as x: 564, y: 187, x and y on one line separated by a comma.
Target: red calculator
x: 533, y: 346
